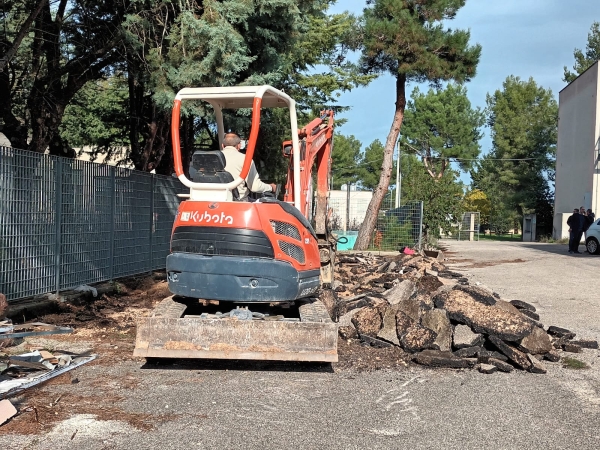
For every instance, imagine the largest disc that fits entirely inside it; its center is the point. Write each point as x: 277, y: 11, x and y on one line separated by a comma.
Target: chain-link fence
x: 395, y: 227
x: 64, y: 222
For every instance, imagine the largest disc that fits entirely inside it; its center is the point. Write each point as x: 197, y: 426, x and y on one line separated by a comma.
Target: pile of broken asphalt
x: 414, y: 304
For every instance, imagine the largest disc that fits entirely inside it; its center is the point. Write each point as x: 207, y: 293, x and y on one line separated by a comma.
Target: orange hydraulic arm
x: 316, y: 143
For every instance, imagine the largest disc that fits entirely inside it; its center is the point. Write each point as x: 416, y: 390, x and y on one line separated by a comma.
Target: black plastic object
x: 209, y: 167
x: 221, y: 241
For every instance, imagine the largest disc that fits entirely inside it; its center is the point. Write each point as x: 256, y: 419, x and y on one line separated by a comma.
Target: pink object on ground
x: 408, y: 251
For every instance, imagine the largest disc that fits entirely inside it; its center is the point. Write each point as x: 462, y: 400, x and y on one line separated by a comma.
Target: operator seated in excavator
x: 234, y: 161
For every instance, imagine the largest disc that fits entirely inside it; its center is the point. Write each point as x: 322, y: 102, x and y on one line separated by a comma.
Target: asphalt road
x: 270, y: 406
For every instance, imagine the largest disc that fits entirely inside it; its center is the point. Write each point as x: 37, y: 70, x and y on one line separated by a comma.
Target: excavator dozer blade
x: 168, y: 333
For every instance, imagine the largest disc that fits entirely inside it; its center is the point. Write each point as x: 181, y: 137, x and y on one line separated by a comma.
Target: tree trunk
x: 368, y: 226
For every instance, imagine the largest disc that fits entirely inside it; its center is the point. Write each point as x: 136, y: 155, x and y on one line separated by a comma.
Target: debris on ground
x: 435, y: 317
x: 7, y: 411
x: 10, y: 331
x: 19, y: 372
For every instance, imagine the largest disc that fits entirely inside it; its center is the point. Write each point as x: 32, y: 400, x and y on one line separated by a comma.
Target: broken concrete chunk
x: 436, y: 358
x: 401, y: 292
x: 552, y: 356
x: 462, y: 307
x: 468, y: 352
x: 530, y: 314
x: 487, y: 368
x: 7, y: 410
x: 464, y: 337
x: 437, y: 320
x: 537, y: 343
x: 411, y: 308
x: 584, y: 343
x: 522, y: 305
x: 519, y: 358
x: 572, y: 348
x: 479, y: 294
x: 368, y: 320
x: 560, y: 332
x: 536, y: 365
x: 388, y: 331
x: 412, y: 336
x: 501, y: 365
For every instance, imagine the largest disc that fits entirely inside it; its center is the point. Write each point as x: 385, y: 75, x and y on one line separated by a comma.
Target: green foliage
x: 97, y: 115
x: 442, y: 198
x: 441, y: 125
x: 345, y: 160
x: 476, y: 200
x: 371, y: 165
x: 584, y: 60
x: 393, y: 233
x: 408, y: 38
x: 517, y: 173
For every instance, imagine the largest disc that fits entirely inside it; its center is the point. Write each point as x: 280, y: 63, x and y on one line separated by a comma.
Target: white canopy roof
x: 234, y: 97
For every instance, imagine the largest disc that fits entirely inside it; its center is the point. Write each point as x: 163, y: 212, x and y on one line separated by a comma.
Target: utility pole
x: 398, y: 179
x: 347, y: 206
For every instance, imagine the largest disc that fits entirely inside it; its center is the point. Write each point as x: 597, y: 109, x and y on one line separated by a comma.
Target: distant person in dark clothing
x: 590, y: 218
x: 576, y: 224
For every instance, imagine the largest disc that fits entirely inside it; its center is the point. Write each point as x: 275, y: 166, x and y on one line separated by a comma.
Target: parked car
x: 592, y: 242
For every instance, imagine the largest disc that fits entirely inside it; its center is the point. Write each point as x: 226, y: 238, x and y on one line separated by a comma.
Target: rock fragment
x: 516, y: 356
x: 487, y: 368
x: 463, y: 337
x: 388, y: 330
x: 436, y: 358
x: 400, y: 292
x: 572, y: 348
x: 560, y: 332
x: 552, y: 356
x: 368, y: 320
x: 537, y: 343
x: 536, y: 365
x: 522, y: 305
x: 482, y: 318
x: 584, y: 343
x: 468, y: 352
x: 501, y: 365
x: 530, y: 314
x: 437, y: 320
x: 413, y: 336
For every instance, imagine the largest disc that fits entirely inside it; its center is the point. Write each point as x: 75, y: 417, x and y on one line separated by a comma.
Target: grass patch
x: 574, y: 363
x: 499, y: 237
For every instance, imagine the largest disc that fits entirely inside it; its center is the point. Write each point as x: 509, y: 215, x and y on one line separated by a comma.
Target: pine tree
x: 407, y: 39
x: 592, y: 54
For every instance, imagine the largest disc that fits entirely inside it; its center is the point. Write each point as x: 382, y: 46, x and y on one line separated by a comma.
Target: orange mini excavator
x: 246, y: 275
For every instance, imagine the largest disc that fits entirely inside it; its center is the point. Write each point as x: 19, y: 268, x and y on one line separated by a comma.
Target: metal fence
x: 64, y: 222
x: 469, y: 226
x: 395, y: 227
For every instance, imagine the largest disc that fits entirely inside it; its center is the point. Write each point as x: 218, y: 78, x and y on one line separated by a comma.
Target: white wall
x: 359, y: 202
x: 576, y: 154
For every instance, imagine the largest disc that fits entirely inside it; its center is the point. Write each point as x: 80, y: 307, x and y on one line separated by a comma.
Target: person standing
x: 575, y: 222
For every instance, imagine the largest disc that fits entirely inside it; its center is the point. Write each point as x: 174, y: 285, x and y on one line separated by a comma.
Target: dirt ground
x: 106, y: 326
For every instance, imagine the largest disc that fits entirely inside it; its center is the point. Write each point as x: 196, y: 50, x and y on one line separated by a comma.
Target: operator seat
x: 209, y: 167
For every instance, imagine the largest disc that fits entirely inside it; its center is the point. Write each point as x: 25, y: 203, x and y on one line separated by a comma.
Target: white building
x: 578, y: 149
x: 359, y: 202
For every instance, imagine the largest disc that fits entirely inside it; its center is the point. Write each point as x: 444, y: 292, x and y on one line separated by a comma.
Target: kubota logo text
x: 206, y: 217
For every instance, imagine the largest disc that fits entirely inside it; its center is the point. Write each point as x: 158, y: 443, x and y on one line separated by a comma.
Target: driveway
x: 122, y: 403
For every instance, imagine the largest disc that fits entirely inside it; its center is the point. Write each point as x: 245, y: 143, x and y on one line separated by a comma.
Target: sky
x: 525, y: 38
